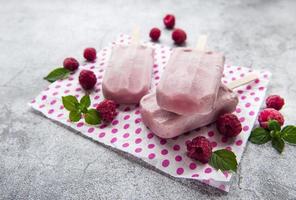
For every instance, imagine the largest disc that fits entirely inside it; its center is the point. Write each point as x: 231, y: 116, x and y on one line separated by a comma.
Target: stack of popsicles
x: 189, y: 95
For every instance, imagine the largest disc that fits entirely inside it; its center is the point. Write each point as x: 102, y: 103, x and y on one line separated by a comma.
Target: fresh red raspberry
x: 87, y: 79
x: 71, y: 64
x: 169, y: 21
x: 229, y: 125
x: 270, y: 114
x: 275, y: 101
x: 154, y: 34
x: 199, y: 149
x: 179, y: 36
x: 107, y: 110
x: 90, y: 54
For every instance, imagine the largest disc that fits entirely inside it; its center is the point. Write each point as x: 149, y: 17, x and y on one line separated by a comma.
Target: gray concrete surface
x: 42, y: 160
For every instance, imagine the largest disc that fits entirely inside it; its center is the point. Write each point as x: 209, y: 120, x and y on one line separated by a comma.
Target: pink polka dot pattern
x: 178, y: 158
x: 192, y: 166
x: 138, y: 150
x: 128, y: 133
x: 180, y: 171
x: 211, y: 133
x: 90, y: 130
x: 101, y: 135
x: 151, y: 156
x: 80, y: 124
x: 208, y: 170
x: 113, y: 140
x: 138, y: 140
x: 125, y: 144
x: 164, y: 152
x: 165, y: 163
x: 176, y: 147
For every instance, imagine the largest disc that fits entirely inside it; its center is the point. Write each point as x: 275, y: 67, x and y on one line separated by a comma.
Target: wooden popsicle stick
x: 135, y: 35
x: 201, y: 45
x: 202, y: 42
x: 242, y: 81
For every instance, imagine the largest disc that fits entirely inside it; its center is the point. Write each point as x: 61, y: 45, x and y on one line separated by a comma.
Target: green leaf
x: 274, y: 134
x: 259, y: 136
x: 85, y: 101
x: 75, y: 115
x: 273, y: 125
x: 92, y: 117
x: 224, y: 160
x: 57, y: 74
x: 70, y: 102
x: 289, y: 134
x: 278, y: 144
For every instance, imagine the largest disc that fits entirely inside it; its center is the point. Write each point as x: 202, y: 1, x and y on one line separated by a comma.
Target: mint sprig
x: 70, y: 102
x: 75, y: 115
x: 260, y: 136
x: 77, y: 108
x: 92, y: 116
x: 223, y: 160
x: 275, y: 134
x: 289, y: 134
x: 56, y: 74
x: 278, y: 143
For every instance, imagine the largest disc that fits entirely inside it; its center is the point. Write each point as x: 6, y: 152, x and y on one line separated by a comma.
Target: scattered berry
x: 179, y: 36
x: 200, y: 149
x: 229, y: 125
x: 270, y: 114
x: 154, y: 34
x: 107, y: 110
x: 71, y: 64
x: 87, y: 79
x: 90, y: 54
x: 169, y: 21
x: 275, y: 101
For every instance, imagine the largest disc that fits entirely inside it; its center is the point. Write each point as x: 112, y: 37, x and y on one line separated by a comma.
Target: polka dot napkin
x: 127, y: 133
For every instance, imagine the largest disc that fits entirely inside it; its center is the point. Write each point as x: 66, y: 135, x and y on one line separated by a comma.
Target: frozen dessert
x: 128, y: 75
x: 190, y: 81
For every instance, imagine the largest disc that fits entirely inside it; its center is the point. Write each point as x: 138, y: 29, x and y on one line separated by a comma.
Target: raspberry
x: 275, y: 101
x: 154, y: 34
x: 229, y: 125
x: 107, y: 110
x: 169, y: 21
x: 179, y: 36
x: 200, y: 149
x: 71, y: 64
x: 90, y: 54
x: 270, y: 114
x: 87, y: 79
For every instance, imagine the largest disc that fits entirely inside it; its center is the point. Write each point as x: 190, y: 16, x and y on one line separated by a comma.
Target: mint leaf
x: 85, y: 101
x: 289, y: 134
x: 70, y: 102
x: 259, y: 136
x: 275, y: 134
x: 273, y: 125
x: 57, y: 74
x: 224, y: 160
x: 75, y: 115
x: 92, y: 117
x: 278, y: 144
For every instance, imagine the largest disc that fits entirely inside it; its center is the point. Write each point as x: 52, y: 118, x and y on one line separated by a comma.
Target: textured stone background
x: 43, y: 160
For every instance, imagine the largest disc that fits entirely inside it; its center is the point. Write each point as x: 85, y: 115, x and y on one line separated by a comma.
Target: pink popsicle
x: 128, y: 75
x: 168, y: 125
x: 190, y: 81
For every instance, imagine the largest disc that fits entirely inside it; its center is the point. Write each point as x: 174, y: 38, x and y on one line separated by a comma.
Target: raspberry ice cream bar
x: 190, y: 81
x: 128, y: 76
x: 168, y: 125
